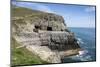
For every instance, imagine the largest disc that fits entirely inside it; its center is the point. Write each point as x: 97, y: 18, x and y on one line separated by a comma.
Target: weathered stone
x: 46, y: 35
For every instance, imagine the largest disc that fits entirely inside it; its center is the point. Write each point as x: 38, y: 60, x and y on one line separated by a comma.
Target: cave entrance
x: 49, y: 28
x: 37, y: 27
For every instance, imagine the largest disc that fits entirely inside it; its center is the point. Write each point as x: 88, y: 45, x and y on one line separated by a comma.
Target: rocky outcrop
x: 44, y: 34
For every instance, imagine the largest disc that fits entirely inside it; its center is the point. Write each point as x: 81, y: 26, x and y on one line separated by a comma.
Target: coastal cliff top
x: 40, y: 19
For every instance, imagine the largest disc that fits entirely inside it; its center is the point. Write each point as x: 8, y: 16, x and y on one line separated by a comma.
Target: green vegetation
x: 21, y: 56
x: 21, y: 12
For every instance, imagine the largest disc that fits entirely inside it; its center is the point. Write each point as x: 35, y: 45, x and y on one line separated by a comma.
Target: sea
x: 87, y: 40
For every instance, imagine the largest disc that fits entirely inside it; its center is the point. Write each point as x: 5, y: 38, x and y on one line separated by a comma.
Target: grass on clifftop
x: 21, y: 56
x: 22, y: 11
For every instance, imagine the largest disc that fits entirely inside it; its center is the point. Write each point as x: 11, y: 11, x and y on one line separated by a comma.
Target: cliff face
x: 44, y: 34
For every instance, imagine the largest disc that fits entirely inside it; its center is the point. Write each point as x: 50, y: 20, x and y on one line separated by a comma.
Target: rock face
x: 44, y: 34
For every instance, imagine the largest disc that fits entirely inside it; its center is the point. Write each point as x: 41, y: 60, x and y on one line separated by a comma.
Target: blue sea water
x: 87, y: 41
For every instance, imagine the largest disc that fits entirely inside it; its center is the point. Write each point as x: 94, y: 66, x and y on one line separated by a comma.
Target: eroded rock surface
x: 44, y: 34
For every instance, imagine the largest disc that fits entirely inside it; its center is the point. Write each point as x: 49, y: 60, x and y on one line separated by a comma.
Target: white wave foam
x: 83, y: 56
x: 83, y: 52
x: 80, y: 41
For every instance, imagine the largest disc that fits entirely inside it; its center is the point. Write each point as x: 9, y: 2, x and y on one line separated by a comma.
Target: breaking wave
x: 81, y: 57
x: 80, y: 41
x: 83, y: 54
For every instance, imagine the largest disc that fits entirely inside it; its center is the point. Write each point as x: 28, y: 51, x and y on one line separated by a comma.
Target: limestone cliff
x: 44, y: 34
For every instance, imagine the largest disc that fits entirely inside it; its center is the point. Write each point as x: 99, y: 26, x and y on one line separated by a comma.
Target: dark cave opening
x: 37, y: 27
x: 49, y: 28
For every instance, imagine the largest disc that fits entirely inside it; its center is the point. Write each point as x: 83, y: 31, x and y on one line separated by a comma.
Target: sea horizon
x: 82, y: 27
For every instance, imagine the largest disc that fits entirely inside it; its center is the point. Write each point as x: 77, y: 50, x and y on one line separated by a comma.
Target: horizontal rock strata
x: 44, y: 34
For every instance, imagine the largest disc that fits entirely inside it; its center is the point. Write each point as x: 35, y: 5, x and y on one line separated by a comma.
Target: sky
x: 74, y: 15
